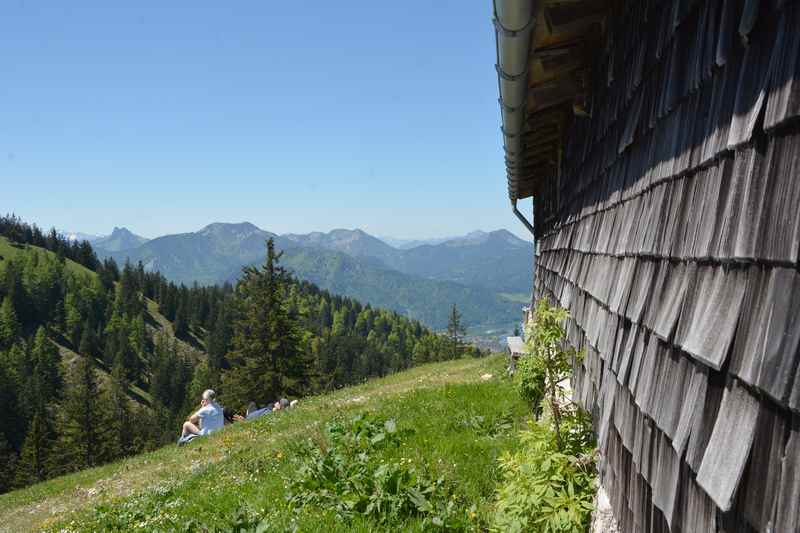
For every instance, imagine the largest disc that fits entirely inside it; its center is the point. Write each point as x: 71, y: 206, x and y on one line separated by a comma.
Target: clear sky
x: 164, y: 116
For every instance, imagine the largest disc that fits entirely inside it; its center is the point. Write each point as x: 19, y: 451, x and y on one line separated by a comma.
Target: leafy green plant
x: 348, y: 475
x: 548, y: 484
x: 544, y: 489
x: 552, y: 359
x: 529, y: 380
x: 491, y: 427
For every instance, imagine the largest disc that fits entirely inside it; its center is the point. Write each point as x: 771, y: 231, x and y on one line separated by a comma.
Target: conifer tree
x: 267, y: 360
x: 36, y: 458
x: 219, y: 339
x: 86, y: 346
x: 46, y: 366
x: 12, y: 419
x: 8, y: 464
x: 10, y: 328
x: 15, y: 291
x: 118, y: 437
x: 81, y: 425
x: 181, y: 320
x: 73, y: 319
x: 455, y: 329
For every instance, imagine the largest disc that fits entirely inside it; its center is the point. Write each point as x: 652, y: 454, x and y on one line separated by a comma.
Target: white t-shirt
x: 211, y: 418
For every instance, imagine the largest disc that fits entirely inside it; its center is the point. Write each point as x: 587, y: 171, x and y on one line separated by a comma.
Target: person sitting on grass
x: 207, y: 419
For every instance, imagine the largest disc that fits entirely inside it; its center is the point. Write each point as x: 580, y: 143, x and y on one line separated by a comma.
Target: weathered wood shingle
x: 671, y: 232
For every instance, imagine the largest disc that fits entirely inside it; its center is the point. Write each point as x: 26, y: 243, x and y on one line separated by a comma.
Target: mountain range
x: 486, y: 274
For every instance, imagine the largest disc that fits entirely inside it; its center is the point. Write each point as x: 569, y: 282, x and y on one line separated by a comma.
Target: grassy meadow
x: 452, y: 421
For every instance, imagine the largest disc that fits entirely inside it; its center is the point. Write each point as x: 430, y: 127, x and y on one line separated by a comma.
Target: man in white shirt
x: 209, y: 418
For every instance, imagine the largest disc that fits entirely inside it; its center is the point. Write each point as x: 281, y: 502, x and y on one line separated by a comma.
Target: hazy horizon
x: 105, y: 233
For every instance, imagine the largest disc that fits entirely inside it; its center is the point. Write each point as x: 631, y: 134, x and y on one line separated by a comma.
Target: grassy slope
x: 244, y: 465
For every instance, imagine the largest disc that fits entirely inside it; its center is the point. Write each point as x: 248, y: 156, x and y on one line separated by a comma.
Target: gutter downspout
x: 522, y: 218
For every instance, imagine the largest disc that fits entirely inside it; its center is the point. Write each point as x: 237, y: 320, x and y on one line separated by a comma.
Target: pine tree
x: 267, y: 360
x: 8, y: 465
x: 9, y: 325
x: 455, y: 329
x: 117, y: 414
x: 12, y: 419
x: 15, y: 291
x: 73, y: 319
x: 81, y: 426
x: 36, y: 458
x: 86, y: 346
x: 139, y: 346
x: 181, y: 321
x: 46, y: 366
x: 219, y: 339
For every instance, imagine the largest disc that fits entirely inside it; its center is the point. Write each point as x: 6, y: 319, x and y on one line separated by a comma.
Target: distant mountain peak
x: 116, y: 232
x: 230, y: 226
x: 231, y: 230
x: 121, y: 239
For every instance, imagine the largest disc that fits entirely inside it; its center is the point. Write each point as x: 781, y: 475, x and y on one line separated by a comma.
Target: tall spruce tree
x: 81, y: 431
x: 36, y: 458
x: 181, y: 324
x: 219, y: 339
x: 117, y: 414
x: 10, y: 327
x: 8, y: 465
x: 267, y: 360
x: 46, y: 367
x: 87, y: 343
x: 455, y: 330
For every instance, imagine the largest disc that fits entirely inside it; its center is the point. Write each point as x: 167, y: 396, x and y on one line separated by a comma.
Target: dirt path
x: 36, y: 507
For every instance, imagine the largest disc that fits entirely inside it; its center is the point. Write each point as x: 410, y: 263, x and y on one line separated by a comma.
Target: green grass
x: 241, y: 471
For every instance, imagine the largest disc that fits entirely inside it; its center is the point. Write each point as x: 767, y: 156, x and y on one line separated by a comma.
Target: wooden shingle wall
x: 673, y: 240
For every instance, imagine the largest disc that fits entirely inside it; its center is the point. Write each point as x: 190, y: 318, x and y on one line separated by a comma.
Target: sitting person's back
x: 212, y: 418
x: 209, y: 418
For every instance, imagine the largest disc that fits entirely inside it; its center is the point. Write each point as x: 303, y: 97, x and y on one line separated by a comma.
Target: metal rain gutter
x: 513, y: 21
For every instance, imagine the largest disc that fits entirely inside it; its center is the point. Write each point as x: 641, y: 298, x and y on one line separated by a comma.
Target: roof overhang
x: 544, y: 56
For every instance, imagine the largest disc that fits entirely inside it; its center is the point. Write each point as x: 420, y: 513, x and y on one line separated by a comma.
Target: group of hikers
x: 212, y: 416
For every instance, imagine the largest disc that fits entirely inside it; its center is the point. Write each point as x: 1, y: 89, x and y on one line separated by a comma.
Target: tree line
x: 88, y: 374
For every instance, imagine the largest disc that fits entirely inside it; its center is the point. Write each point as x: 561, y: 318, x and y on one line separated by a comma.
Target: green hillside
x: 157, y: 324
x: 423, y: 299
x: 449, y: 419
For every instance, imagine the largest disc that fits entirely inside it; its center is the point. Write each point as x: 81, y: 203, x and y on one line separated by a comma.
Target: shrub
x: 529, y: 380
x: 544, y: 489
x: 548, y: 484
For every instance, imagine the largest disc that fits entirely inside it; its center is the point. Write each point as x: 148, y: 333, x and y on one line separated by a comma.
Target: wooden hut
x: 660, y: 142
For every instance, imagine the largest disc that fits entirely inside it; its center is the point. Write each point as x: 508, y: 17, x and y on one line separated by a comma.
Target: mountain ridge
x: 474, y: 271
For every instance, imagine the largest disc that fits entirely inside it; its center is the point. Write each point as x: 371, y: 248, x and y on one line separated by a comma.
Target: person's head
x: 208, y: 397
x: 283, y: 403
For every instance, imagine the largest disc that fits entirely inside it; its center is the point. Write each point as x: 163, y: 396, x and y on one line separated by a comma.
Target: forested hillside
x: 99, y: 361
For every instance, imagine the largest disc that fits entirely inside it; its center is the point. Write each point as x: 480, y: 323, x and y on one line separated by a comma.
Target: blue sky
x: 296, y: 116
